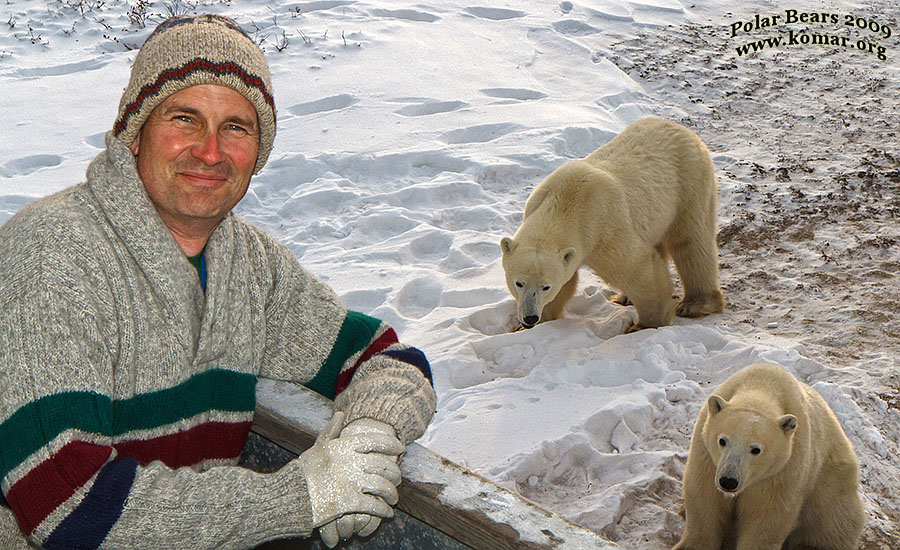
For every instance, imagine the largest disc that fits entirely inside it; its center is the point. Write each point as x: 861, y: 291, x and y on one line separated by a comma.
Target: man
x: 137, y: 312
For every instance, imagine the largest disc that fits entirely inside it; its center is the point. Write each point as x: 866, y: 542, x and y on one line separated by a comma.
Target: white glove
x: 362, y: 524
x: 353, y: 474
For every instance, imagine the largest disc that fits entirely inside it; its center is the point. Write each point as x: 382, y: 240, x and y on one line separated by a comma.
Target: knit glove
x: 352, y: 474
x: 361, y: 523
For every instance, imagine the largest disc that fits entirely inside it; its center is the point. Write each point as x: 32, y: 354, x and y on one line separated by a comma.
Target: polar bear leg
x: 697, y: 264
x: 650, y: 289
x: 833, y: 514
x: 764, y: 522
x: 707, y: 513
x: 554, y: 309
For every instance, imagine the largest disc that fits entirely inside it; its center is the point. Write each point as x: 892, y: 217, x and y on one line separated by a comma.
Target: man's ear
x: 715, y: 404
x: 507, y: 245
x: 568, y: 255
x: 136, y: 145
x: 788, y: 423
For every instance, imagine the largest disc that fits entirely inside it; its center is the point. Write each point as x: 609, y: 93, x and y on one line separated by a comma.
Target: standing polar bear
x: 647, y: 195
x: 770, y: 465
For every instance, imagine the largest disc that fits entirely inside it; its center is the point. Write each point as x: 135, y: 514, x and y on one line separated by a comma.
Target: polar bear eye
x: 520, y: 284
x: 755, y: 450
x: 722, y: 442
x: 546, y: 288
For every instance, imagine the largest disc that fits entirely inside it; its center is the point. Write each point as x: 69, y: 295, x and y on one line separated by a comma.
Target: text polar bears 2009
x: 806, y: 37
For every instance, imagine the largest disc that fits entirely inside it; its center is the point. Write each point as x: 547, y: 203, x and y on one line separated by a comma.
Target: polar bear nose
x: 530, y: 320
x: 728, y: 483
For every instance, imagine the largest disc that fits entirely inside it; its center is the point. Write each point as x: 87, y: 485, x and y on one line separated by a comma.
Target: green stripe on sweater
x: 39, y: 422
x: 357, y: 332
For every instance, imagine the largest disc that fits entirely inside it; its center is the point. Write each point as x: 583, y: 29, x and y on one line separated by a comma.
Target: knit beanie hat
x: 186, y: 51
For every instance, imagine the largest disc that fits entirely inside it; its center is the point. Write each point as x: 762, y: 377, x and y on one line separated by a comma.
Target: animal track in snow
x: 419, y: 297
x: 409, y: 15
x: 431, y: 108
x: 434, y: 245
x: 572, y: 27
x: 63, y: 69
x: 10, y: 204
x: 495, y: 14
x: 332, y: 103
x: 26, y: 165
x: 479, y: 134
x: 522, y: 94
x: 307, y: 7
x: 97, y: 140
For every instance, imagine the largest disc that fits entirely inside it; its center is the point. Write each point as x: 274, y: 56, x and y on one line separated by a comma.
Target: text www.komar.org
x: 813, y: 38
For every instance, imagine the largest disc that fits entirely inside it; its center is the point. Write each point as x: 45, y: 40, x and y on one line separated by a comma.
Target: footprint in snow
x: 409, y: 15
x: 332, y: 103
x: 431, y: 108
x: 97, y: 140
x: 63, y: 69
x: 26, y: 165
x: 419, y: 297
x: 520, y: 94
x: 495, y: 14
x: 306, y: 7
x: 479, y: 134
x: 10, y: 204
x: 572, y: 27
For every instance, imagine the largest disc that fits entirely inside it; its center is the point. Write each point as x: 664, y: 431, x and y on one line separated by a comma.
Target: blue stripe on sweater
x: 414, y: 357
x: 89, y: 524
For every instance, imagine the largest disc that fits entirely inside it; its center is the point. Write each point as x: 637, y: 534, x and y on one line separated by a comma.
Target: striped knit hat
x: 186, y: 51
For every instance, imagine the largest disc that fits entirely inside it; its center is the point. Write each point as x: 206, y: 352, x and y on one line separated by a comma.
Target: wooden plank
x: 440, y: 493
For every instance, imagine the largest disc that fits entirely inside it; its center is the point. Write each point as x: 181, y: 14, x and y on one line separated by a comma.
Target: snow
x: 409, y: 137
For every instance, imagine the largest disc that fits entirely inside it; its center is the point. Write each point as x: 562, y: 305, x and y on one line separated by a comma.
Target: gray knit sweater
x: 126, y: 392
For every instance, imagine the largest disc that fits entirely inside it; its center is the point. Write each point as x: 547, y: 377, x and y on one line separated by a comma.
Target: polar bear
x: 647, y: 195
x: 770, y: 466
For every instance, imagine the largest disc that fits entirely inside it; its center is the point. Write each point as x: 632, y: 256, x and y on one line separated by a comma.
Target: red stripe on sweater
x: 387, y: 339
x: 54, y: 481
x: 209, y: 441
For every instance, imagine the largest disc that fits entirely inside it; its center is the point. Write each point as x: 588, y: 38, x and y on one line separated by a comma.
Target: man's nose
x: 207, y: 149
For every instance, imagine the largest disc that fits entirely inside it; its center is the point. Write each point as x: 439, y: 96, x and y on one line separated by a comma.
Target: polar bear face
x: 534, y: 277
x: 745, y: 444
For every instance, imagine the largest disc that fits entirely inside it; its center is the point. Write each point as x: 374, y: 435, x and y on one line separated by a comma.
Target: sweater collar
x: 112, y: 178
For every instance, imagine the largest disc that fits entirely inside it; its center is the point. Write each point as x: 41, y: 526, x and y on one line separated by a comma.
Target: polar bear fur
x: 770, y: 466
x: 647, y: 195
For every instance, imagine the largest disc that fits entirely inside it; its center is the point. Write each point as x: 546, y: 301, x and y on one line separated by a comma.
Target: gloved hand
x: 362, y: 524
x: 352, y: 474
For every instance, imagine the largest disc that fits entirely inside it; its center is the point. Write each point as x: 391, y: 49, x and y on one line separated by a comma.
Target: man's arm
x: 344, y: 355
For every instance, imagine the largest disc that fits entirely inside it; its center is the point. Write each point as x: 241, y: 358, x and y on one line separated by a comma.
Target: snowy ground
x: 409, y: 137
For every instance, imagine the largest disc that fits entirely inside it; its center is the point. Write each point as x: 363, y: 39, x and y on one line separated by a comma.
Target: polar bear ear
x: 788, y: 423
x: 715, y: 404
x: 507, y: 245
x: 567, y: 255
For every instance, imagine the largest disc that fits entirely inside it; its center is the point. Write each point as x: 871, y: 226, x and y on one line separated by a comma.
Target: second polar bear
x: 648, y: 195
x: 770, y: 466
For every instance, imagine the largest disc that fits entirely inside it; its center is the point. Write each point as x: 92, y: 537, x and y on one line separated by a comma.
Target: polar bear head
x: 746, y: 442
x: 534, y: 277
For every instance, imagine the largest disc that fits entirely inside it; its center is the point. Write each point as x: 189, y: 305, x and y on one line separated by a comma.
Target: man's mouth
x: 204, y: 179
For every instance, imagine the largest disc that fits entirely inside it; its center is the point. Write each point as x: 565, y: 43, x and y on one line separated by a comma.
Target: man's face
x: 196, y: 153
